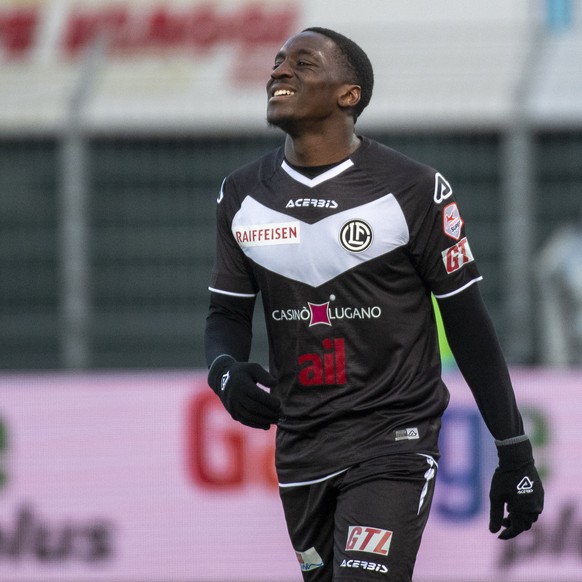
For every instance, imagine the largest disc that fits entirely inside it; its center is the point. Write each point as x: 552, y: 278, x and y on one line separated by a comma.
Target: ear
x: 350, y: 96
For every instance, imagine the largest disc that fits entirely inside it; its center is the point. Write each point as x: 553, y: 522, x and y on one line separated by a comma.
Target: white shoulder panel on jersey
x: 316, y: 253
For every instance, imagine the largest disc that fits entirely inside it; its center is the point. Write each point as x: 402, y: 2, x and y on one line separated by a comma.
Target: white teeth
x: 280, y: 92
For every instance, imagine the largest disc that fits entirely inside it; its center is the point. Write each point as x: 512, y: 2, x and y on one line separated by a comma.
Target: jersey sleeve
x: 439, y: 243
x: 481, y: 361
x: 231, y: 274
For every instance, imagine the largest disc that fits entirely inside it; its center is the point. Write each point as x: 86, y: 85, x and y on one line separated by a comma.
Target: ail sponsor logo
x: 282, y: 233
x: 324, y: 368
x: 457, y: 256
x: 368, y: 539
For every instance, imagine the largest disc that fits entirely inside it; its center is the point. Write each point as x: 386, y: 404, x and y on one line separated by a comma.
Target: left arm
x: 478, y: 354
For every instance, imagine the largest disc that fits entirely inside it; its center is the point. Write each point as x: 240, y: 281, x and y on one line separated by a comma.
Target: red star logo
x: 319, y: 313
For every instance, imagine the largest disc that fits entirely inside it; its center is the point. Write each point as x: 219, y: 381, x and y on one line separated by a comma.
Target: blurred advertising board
x: 201, y: 65
x: 127, y: 477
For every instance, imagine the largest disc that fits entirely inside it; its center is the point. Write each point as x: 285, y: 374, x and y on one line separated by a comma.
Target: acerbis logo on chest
x: 313, y: 202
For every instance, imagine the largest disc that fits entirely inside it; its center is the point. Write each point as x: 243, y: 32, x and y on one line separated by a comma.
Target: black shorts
x: 364, y: 523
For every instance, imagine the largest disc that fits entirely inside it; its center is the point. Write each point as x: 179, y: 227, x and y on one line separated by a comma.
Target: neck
x: 320, y: 149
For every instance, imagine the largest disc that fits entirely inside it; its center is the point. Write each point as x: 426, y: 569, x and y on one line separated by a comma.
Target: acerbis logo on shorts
x: 368, y: 539
x: 309, y: 560
x: 363, y: 565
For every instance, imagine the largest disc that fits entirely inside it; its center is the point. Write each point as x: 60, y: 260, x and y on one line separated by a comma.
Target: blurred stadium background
x: 118, y: 121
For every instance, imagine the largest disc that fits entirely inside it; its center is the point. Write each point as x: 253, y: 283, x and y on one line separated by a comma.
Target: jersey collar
x: 312, y: 182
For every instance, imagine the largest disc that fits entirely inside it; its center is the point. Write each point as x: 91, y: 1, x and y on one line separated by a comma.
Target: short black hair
x: 358, y: 65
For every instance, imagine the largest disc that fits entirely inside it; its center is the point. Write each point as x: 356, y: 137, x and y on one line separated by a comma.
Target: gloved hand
x: 516, y: 483
x: 235, y: 383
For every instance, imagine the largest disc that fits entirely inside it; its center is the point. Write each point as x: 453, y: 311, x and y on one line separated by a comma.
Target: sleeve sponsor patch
x: 452, y: 221
x: 457, y: 256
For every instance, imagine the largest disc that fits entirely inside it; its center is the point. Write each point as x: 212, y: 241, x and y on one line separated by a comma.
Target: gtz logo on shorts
x: 368, y: 539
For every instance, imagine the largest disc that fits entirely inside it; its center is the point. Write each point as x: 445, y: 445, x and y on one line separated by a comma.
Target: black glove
x: 235, y: 383
x: 516, y: 483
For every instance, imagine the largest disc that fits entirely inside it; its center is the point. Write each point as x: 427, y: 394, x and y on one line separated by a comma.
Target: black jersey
x: 346, y: 263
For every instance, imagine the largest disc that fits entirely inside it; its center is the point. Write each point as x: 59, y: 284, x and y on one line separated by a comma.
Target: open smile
x: 282, y: 93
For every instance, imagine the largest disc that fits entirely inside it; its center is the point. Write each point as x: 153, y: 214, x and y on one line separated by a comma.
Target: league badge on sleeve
x: 452, y: 221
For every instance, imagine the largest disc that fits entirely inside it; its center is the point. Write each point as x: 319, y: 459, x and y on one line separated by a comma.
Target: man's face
x: 306, y: 82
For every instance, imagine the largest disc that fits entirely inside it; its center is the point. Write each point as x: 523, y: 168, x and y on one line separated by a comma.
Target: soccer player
x: 346, y: 240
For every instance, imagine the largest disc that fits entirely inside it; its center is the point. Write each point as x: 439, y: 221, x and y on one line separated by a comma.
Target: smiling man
x: 354, y: 366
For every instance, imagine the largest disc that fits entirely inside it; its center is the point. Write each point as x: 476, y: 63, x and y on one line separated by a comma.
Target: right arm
x: 228, y: 334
